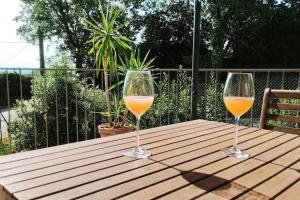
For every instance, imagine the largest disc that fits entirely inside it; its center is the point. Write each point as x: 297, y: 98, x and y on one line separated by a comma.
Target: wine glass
x: 238, y: 97
x: 138, y: 93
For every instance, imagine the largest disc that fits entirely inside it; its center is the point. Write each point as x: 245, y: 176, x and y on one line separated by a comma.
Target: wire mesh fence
x: 61, y: 106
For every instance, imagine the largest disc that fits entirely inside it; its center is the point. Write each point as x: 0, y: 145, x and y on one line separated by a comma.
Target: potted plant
x: 107, y: 43
x: 120, y: 122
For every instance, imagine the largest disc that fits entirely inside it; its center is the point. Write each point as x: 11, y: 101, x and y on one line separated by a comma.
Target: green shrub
x: 212, y: 104
x: 60, y: 110
x: 284, y: 112
x: 4, y: 146
x: 14, y: 80
x: 172, y: 103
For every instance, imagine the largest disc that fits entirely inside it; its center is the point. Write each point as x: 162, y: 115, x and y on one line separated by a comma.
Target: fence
x: 65, y: 106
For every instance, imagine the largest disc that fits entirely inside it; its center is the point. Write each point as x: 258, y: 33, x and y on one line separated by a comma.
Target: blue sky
x: 15, y: 52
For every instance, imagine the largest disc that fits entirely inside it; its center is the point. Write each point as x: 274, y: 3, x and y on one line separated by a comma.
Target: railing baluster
x: 22, y: 111
x: 46, y: 113
x: 160, y: 81
x: 251, y: 120
x: 282, y: 87
x: 56, y: 111
x: 268, y: 79
x: 94, y: 103
x: 102, y: 88
x: 169, y: 96
x: 298, y: 112
x: 85, y: 108
x: 8, y: 107
x: 34, y: 111
x: 154, y: 105
x: 282, y: 80
x: 177, y: 97
x: 67, y: 107
x: 205, y: 95
x: 76, y: 113
x: 216, y: 95
x: 188, y: 87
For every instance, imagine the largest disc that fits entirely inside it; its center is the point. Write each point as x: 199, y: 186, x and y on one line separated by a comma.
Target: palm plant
x: 134, y: 62
x: 107, y: 42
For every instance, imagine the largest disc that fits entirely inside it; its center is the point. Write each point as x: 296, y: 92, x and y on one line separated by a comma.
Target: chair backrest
x: 281, y: 111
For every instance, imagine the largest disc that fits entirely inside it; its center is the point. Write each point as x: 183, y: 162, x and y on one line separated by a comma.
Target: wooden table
x: 186, y: 164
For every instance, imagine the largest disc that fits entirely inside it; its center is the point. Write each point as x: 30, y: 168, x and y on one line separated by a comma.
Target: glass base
x: 137, y: 153
x: 235, y: 152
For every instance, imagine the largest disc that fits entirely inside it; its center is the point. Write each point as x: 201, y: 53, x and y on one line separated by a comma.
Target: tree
x: 263, y: 35
x: 107, y: 44
x: 59, y: 20
x: 166, y: 29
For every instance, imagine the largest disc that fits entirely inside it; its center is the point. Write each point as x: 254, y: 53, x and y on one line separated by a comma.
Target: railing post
x: 195, y: 59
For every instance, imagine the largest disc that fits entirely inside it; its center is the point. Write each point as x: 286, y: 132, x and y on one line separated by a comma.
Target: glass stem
x: 137, y: 134
x: 236, y: 132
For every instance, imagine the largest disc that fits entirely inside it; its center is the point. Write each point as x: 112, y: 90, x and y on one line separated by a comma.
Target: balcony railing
x: 54, y: 111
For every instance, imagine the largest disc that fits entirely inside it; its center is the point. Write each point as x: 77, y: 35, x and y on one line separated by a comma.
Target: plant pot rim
x: 105, y: 130
x: 107, y: 126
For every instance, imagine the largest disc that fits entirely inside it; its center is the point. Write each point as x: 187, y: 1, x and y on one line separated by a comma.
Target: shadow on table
x: 205, y: 181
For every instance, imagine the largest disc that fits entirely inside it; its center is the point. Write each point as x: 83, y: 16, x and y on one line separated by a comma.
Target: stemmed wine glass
x: 238, y: 97
x: 138, y: 93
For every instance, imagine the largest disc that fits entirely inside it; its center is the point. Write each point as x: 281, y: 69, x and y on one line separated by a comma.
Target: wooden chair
x: 274, y: 108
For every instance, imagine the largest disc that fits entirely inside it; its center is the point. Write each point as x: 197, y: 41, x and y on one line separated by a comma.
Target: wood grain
x: 186, y: 164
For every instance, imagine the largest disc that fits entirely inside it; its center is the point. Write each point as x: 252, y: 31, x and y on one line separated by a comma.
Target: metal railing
x: 41, y: 115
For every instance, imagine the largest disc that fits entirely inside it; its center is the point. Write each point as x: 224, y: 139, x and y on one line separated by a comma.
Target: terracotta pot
x: 104, y: 130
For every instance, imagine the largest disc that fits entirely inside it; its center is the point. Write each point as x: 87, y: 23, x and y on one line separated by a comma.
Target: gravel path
x: 5, y: 113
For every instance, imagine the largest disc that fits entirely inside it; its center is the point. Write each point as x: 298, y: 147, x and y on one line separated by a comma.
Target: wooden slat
x: 120, y: 163
x: 283, y: 118
x: 288, y: 158
x: 280, y: 106
x: 211, y: 196
x: 291, y: 193
x: 191, y: 191
x: 233, y: 189
x: 296, y: 166
x: 163, y: 175
x: 227, y: 175
x: 140, y: 172
x: 258, y: 175
x: 107, y: 141
x: 278, y: 183
x: 102, y: 148
x: 188, y: 192
x: 280, y: 150
x: 116, y: 152
x: 284, y: 129
x: 286, y: 94
x: 186, y: 163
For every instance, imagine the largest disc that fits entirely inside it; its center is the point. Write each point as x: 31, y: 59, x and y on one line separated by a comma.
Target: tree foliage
x: 59, y: 20
x: 234, y: 33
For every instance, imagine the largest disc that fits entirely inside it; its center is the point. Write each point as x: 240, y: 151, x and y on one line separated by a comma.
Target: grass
x: 4, y: 147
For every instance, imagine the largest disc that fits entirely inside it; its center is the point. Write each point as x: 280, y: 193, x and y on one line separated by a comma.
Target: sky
x: 15, y: 52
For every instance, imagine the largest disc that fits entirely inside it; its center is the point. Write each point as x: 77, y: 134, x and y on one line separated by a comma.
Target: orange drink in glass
x: 238, y: 98
x: 138, y: 93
